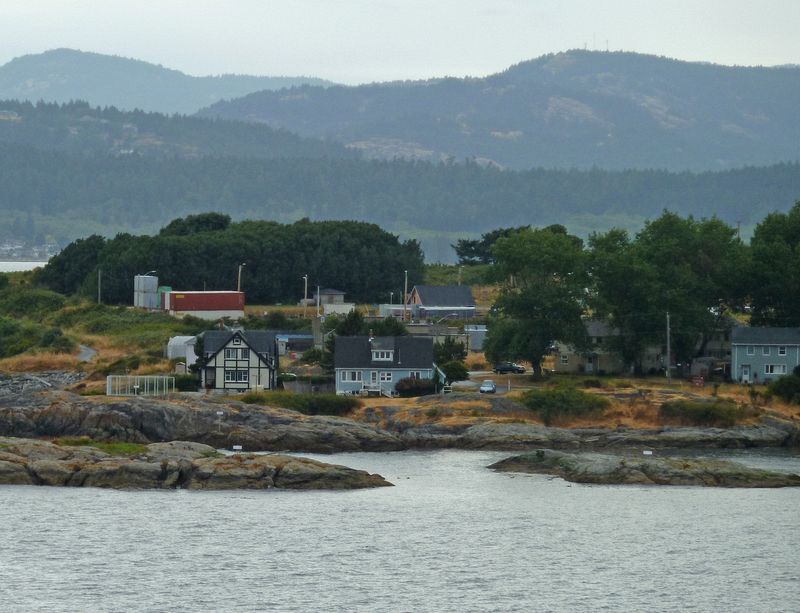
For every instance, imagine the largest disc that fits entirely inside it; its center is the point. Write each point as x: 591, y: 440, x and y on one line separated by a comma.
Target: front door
x: 373, y: 377
x: 745, y: 373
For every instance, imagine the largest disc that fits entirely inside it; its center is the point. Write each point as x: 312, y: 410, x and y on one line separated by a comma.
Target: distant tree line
x: 204, y: 252
x: 698, y: 270
x: 70, y: 196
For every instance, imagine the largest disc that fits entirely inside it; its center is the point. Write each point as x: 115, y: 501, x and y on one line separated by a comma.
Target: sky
x: 357, y: 41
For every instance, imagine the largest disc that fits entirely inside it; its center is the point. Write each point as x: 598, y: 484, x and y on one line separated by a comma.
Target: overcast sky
x: 354, y: 41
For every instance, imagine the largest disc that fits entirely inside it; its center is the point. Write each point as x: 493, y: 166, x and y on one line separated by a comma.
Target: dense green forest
x: 697, y: 270
x: 576, y: 109
x: 77, y: 127
x: 62, y: 75
x: 204, y: 251
x: 68, y: 196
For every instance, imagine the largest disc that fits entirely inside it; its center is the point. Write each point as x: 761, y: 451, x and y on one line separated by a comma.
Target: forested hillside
x: 80, y: 128
x: 63, y: 75
x: 70, y: 196
x: 575, y: 109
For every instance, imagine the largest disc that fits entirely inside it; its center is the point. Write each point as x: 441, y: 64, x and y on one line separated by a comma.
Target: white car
x: 488, y: 387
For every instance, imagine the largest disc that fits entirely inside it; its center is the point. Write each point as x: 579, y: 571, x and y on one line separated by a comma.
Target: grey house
x: 436, y: 301
x: 365, y: 364
x: 239, y: 360
x: 759, y: 355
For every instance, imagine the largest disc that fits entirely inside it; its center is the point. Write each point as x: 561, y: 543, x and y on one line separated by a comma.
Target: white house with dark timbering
x: 239, y: 360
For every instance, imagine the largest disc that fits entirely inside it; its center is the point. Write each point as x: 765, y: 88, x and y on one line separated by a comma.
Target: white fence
x: 140, y: 385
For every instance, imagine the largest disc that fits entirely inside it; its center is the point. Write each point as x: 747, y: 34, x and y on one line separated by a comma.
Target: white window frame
x: 230, y: 354
x: 380, y: 355
x: 782, y: 350
x: 415, y: 374
x: 242, y: 376
x: 751, y: 350
x: 237, y: 340
x: 766, y: 350
x: 244, y: 353
x: 774, y: 369
x: 354, y: 376
x: 565, y: 358
x: 342, y: 376
x: 386, y: 376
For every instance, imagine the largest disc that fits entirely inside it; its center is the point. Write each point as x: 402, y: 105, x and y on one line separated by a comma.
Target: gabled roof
x: 445, y: 295
x: 748, y: 335
x: 409, y: 352
x: 260, y: 341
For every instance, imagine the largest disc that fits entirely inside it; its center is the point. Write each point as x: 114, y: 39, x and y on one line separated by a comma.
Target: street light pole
x: 239, y: 280
x: 305, y: 294
x: 405, y: 295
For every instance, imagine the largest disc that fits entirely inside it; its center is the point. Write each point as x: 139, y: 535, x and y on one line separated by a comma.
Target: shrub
x: 311, y: 356
x: 187, y: 383
x: 308, y: 404
x: 593, y: 382
x: 721, y: 413
x: 563, y: 403
x: 30, y: 303
x: 455, y: 371
x: 409, y: 387
x: 787, y: 388
x: 55, y: 341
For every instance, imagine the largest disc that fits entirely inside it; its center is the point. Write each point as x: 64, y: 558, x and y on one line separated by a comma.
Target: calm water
x: 17, y: 266
x: 451, y: 536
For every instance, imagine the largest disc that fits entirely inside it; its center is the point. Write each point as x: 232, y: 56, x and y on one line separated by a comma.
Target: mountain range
x: 577, y: 109
x: 64, y: 75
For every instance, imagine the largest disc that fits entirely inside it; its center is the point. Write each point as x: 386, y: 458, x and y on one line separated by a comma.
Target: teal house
x: 759, y: 355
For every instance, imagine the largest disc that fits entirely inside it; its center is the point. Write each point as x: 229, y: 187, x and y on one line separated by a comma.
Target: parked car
x: 488, y: 387
x: 506, y: 367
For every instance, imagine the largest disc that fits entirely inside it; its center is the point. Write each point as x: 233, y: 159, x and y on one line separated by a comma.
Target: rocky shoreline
x: 599, y: 468
x: 256, y: 428
x: 172, y: 465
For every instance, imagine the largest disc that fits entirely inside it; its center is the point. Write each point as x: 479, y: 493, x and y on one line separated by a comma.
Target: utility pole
x: 318, y: 297
x: 405, y: 296
x: 99, y: 284
x: 669, y: 355
x: 305, y: 294
x: 239, y: 280
x: 460, y: 268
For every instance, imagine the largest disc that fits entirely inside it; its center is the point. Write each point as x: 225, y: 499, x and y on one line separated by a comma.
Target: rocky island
x: 172, y: 465
x: 643, y: 470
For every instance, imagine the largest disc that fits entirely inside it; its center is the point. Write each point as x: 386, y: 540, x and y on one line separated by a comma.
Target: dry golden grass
x: 35, y: 362
x: 485, y: 295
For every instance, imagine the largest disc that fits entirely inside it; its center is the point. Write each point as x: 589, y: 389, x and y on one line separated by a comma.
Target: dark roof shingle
x: 445, y: 295
x: 261, y: 341
x: 409, y: 352
x: 749, y: 335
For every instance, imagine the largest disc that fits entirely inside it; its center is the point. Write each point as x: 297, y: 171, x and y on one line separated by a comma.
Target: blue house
x: 759, y: 355
x: 366, y: 364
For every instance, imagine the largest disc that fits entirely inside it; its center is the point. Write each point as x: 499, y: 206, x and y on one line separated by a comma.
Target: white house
x: 239, y: 360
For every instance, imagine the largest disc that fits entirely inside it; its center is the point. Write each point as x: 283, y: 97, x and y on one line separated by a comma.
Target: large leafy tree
x: 543, y: 295
x: 775, y: 272
x: 479, y: 251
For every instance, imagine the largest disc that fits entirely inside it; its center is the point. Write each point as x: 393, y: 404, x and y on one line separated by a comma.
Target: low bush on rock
x: 563, y: 403
x: 719, y: 413
x: 308, y: 404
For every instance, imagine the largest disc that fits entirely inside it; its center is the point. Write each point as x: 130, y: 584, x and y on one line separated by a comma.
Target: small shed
x: 182, y: 348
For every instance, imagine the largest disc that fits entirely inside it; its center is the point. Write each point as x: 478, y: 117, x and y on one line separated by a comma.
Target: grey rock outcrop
x: 169, y: 466
x: 612, y: 469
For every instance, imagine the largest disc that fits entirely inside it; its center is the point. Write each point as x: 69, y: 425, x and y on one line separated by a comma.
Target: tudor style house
x: 437, y: 301
x: 366, y: 364
x: 239, y: 360
x: 759, y: 355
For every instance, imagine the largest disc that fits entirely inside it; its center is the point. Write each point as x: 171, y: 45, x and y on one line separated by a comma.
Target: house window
x: 774, y: 369
x: 415, y: 374
x: 230, y: 354
x: 765, y: 350
x: 343, y: 375
x: 564, y: 358
x: 237, y: 340
x: 781, y: 350
x: 751, y: 350
x: 245, y: 354
x: 236, y: 376
x: 386, y: 376
x: 383, y: 355
x: 354, y: 375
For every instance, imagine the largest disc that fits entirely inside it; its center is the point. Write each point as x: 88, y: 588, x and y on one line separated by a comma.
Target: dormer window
x: 382, y: 355
x: 237, y: 340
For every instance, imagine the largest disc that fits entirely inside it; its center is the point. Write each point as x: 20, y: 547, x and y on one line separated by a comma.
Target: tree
x: 775, y: 274
x: 480, y: 251
x: 543, y: 296
x: 192, y: 224
x: 449, y: 350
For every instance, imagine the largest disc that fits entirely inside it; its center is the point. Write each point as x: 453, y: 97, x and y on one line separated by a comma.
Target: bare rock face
x: 610, y: 469
x: 168, y: 466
